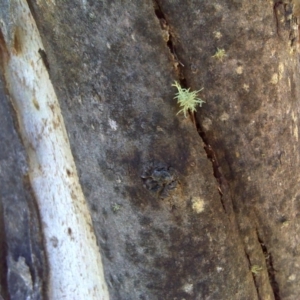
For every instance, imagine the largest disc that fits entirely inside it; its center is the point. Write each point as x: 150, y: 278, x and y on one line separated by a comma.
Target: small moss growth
x: 116, y: 207
x: 255, y: 269
x: 186, y: 99
x: 220, y: 54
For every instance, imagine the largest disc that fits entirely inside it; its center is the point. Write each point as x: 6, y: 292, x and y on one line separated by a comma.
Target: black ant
x: 44, y: 58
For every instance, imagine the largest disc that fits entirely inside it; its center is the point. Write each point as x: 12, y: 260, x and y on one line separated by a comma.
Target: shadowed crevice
x: 270, y: 268
x: 253, y: 275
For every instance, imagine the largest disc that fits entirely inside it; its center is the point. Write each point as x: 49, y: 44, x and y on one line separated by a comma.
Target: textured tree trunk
x: 203, y: 207
x: 75, y: 268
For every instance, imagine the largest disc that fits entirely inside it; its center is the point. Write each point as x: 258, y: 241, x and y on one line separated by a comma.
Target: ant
x: 44, y: 58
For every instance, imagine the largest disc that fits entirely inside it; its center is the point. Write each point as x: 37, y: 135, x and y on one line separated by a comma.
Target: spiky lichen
x: 116, y: 207
x: 187, y: 100
x: 220, y: 54
x: 255, y: 269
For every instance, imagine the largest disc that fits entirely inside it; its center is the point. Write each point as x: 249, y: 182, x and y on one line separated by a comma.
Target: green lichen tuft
x: 116, y: 207
x: 255, y: 269
x: 187, y: 100
x: 220, y: 54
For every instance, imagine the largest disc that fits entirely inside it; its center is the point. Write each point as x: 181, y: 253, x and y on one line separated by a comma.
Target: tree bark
x: 203, y: 207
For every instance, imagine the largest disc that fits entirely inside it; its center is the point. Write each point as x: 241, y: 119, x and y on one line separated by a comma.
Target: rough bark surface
x: 251, y: 122
x: 235, y: 206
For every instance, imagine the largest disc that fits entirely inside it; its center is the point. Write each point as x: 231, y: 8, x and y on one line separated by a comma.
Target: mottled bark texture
x: 172, y: 220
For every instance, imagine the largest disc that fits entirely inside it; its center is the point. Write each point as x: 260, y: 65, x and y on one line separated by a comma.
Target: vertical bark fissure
x: 170, y: 42
x: 211, y: 155
x: 253, y: 276
x: 270, y: 267
x: 179, y: 67
x: 37, y: 274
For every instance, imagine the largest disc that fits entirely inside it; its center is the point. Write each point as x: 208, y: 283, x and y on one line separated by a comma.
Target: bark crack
x: 270, y: 267
x: 211, y: 155
x: 179, y: 68
x: 169, y: 39
x: 253, y: 275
